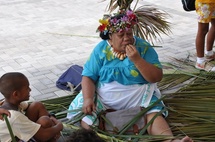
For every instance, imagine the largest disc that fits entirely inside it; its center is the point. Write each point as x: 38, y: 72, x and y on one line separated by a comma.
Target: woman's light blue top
x: 103, y: 67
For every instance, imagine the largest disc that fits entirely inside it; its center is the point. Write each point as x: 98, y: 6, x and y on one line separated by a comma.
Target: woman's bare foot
x: 186, y: 139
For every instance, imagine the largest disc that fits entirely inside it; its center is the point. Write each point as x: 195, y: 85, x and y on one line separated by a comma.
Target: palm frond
x: 152, y: 22
x: 191, y: 109
x: 112, y: 5
x: 190, y: 105
x: 120, y: 4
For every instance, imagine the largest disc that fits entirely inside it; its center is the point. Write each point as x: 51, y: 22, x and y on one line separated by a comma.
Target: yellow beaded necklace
x: 119, y: 55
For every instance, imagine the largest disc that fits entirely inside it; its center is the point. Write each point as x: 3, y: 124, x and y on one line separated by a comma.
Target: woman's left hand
x: 150, y: 72
x: 132, y: 53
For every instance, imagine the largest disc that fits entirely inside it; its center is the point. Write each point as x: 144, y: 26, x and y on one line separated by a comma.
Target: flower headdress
x: 149, y: 22
x: 121, y: 21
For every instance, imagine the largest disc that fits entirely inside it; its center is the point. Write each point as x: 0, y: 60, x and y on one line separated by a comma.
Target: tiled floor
x: 43, y: 38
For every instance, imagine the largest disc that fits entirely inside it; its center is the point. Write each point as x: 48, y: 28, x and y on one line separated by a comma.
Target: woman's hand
x: 150, y: 72
x: 132, y: 53
x: 88, y: 90
x: 89, y: 106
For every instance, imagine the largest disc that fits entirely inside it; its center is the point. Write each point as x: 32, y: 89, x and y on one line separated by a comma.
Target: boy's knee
x: 45, y: 122
x: 36, y: 110
x: 40, y: 108
x: 37, y: 105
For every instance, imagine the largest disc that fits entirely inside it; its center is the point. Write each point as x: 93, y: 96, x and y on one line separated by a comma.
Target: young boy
x: 28, y: 121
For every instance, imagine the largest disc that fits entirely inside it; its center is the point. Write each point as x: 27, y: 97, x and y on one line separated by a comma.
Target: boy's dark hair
x: 10, y: 82
x: 84, y: 135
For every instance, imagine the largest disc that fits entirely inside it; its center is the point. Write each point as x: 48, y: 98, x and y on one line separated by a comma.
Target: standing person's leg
x: 200, y: 39
x: 203, y: 27
x: 210, y: 55
x: 210, y: 41
x: 205, y: 13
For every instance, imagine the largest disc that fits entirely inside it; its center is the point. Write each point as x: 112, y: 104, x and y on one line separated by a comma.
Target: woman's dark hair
x: 104, y: 35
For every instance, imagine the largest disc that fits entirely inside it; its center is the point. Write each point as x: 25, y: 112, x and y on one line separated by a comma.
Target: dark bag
x: 188, y: 5
x: 71, y: 79
x: 116, y: 121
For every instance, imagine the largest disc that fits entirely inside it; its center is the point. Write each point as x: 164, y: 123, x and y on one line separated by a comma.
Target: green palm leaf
x: 189, y: 98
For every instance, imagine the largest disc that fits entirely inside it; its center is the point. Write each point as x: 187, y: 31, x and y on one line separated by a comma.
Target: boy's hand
x: 4, y: 111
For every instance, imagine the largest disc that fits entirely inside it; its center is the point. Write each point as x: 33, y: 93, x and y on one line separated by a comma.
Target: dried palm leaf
x: 191, y: 110
x: 121, y: 4
x: 152, y: 22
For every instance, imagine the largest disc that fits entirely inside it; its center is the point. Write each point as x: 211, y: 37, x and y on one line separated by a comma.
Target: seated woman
x: 122, y: 71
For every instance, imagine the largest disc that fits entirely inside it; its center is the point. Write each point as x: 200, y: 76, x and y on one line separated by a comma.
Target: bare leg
x: 36, y: 110
x: 161, y: 127
x: 45, y: 122
x: 211, y: 36
x: 186, y: 139
x: 200, y: 38
x: 85, y: 125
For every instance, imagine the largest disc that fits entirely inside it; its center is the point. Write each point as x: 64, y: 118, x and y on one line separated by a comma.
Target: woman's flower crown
x: 121, y: 21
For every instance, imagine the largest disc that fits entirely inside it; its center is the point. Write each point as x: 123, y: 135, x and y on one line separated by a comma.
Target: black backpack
x: 188, y: 5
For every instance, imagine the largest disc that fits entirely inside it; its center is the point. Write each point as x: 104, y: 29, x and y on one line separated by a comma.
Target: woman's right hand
x: 89, y: 106
x: 88, y: 90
